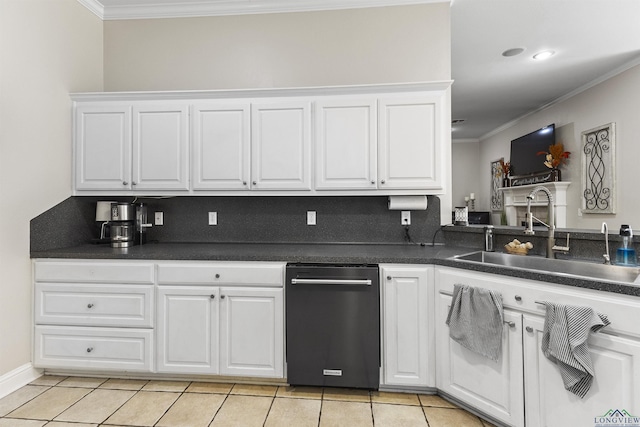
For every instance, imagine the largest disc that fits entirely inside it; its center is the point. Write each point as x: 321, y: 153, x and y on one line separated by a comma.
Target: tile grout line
x: 174, y: 402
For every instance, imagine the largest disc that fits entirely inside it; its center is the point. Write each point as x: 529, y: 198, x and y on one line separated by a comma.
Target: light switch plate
x: 213, y: 218
x: 311, y: 217
x: 159, y: 218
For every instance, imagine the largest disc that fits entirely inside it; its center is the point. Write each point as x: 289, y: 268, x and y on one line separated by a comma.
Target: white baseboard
x: 13, y: 380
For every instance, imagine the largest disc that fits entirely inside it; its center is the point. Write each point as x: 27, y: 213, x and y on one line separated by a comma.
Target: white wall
x: 614, y: 100
x: 469, y: 176
x: 48, y: 48
x: 360, y: 46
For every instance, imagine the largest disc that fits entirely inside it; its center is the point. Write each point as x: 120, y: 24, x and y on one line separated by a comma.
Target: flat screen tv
x: 524, y: 151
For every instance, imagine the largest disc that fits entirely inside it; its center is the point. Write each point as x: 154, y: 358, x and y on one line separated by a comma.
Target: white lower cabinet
x: 235, y: 329
x: 524, y: 388
x: 188, y: 329
x: 407, y: 328
x: 492, y: 387
x: 616, y: 362
x: 94, y: 315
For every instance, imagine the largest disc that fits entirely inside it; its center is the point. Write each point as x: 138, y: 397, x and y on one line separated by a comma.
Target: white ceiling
x: 593, y: 40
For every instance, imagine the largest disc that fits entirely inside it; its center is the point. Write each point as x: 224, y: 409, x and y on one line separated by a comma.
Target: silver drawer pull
x: 529, y: 329
x: 331, y: 282
x: 518, y: 298
x: 212, y: 296
x: 221, y: 296
x: 90, y: 349
x: 89, y: 305
x: 217, y: 276
x: 510, y: 323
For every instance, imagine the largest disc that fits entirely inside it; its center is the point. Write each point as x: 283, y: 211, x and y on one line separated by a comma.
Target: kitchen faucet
x: 551, y: 227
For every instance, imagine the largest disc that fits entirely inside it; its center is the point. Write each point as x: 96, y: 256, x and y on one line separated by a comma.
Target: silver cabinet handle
x: 217, y: 275
x: 510, y: 323
x: 382, y: 182
x: 134, y: 183
x: 373, y: 182
x: 518, y: 298
x: 213, y: 296
x: 331, y: 282
x: 125, y: 183
x: 89, y: 305
x: 89, y: 350
x: 389, y: 277
x: 529, y: 329
x: 244, y: 182
x: 221, y: 296
x: 254, y: 183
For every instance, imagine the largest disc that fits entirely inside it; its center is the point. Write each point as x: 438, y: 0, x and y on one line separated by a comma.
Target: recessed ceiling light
x: 513, y: 52
x: 544, y: 54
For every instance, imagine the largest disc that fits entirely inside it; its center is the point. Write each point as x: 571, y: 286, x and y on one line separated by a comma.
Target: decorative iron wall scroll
x: 598, y: 170
x: 496, y: 183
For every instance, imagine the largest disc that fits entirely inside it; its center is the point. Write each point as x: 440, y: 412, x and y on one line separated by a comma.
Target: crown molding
x: 94, y: 6
x: 197, y: 8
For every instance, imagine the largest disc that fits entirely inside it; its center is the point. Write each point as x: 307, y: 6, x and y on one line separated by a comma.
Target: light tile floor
x: 55, y: 401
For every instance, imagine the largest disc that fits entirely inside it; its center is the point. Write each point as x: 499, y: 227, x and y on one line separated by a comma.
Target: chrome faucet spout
x: 551, y: 241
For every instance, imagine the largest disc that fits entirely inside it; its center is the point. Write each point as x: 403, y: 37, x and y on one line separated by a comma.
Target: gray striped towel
x: 564, y: 342
x: 476, y: 320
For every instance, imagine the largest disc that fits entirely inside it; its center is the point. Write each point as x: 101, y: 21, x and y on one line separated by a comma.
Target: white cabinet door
x: 616, y: 362
x: 102, y: 147
x: 406, y: 327
x: 409, y: 140
x: 251, y: 332
x: 221, y: 133
x: 346, y: 144
x: 187, y: 329
x: 160, y: 147
x: 494, y: 388
x: 281, y: 145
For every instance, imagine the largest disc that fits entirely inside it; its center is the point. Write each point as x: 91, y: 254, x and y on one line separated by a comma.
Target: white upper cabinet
x: 221, y: 135
x: 281, y: 149
x: 410, y: 142
x: 141, y: 146
x: 103, y: 147
x: 160, y: 147
x: 352, y: 140
x: 346, y: 144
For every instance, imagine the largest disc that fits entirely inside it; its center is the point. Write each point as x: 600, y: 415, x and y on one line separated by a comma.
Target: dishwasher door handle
x: 331, y: 282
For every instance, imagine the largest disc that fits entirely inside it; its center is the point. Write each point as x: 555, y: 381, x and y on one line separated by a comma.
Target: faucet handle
x: 562, y: 248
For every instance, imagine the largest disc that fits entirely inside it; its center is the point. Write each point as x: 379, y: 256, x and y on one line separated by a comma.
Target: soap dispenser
x: 626, y: 254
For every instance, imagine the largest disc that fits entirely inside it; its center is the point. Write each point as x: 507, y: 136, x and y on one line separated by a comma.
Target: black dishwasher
x: 333, y: 325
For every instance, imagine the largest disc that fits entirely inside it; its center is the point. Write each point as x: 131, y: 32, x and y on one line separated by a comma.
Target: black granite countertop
x: 322, y: 253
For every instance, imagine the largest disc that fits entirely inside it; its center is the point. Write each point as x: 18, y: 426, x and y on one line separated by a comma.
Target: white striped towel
x: 564, y: 342
x: 476, y: 320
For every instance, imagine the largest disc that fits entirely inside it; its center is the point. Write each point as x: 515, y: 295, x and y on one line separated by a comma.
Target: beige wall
x: 467, y: 176
x: 374, y: 45
x: 614, y: 100
x: 48, y: 48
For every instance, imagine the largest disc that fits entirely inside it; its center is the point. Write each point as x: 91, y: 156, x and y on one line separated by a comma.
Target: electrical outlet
x: 159, y: 218
x: 213, y: 218
x: 405, y: 217
x: 311, y: 217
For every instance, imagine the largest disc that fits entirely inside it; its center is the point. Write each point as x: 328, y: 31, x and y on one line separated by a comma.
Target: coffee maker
x: 122, y: 224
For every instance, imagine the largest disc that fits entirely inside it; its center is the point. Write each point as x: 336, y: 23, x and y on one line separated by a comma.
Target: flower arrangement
x: 506, y: 167
x: 556, y: 156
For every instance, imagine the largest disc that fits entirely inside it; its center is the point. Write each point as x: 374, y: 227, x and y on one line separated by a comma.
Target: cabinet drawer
x: 94, y: 305
x: 255, y: 274
x: 93, y: 272
x: 93, y: 348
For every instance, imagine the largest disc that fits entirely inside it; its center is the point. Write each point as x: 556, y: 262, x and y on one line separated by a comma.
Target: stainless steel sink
x: 568, y: 268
